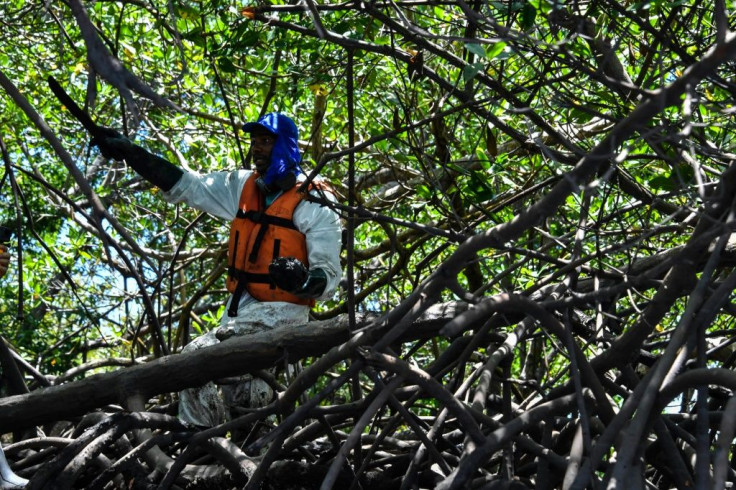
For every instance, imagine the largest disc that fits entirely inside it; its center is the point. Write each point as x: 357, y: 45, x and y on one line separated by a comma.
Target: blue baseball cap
x: 285, y: 156
x: 275, y: 123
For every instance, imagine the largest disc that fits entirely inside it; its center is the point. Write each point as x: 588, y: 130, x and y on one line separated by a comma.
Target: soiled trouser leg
x: 247, y: 391
x: 203, y: 405
x: 209, y: 405
x: 8, y: 479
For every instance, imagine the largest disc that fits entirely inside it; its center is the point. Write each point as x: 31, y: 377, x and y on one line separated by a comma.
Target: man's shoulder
x: 238, y: 177
x: 239, y: 173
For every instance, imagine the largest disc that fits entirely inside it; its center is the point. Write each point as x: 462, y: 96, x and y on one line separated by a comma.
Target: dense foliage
x: 564, y: 168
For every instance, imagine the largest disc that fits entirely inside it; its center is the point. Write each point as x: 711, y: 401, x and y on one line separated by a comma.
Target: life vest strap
x: 265, y: 219
x: 243, y: 279
x: 263, y: 278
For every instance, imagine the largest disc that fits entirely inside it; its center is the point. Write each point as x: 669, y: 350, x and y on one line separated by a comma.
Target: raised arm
x: 154, y: 169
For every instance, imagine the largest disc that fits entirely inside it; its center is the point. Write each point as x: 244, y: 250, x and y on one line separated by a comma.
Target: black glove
x: 154, y: 169
x: 291, y: 275
x: 113, y: 145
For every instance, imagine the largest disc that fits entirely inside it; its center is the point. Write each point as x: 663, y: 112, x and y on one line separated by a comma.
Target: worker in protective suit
x: 8, y: 479
x: 283, y: 250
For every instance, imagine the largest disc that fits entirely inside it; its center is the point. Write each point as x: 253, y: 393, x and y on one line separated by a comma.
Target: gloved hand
x: 113, y: 145
x: 288, y: 273
x: 291, y: 275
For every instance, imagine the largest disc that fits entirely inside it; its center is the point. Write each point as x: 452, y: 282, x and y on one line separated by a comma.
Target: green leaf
x: 226, y: 65
x: 424, y: 191
x: 250, y: 38
x: 342, y: 27
x: 581, y: 116
x: 186, y: 12
x: 662, y: 183
x: 482, y: 159
x: 496, y: 50
x: 476, y: 49
x: 470, y: 71
x: 528, y: 16
x: 480, y: 188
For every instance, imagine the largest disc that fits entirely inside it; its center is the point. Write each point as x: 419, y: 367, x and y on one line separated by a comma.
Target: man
x: 283, y: 251
x: 8, y: 479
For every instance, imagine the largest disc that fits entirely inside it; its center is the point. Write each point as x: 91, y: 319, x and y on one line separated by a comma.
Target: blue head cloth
x: 285, y: 156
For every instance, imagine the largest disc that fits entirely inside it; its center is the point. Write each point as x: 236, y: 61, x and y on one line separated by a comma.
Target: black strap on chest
x: 243, y: 277
x: 264, y: 220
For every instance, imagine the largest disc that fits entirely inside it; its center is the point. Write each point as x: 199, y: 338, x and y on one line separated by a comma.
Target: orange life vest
x: 258, y: 235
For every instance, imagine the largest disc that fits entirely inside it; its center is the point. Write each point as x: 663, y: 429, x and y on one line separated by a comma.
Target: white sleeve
x: 217, y: 193
x: 321, y: 226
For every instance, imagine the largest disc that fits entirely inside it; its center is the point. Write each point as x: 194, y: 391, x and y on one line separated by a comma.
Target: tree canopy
x: 537, y: 199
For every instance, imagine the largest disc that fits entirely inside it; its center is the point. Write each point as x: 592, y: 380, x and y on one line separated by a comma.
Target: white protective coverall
x: 8, y: 479
x: 218, y: 194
